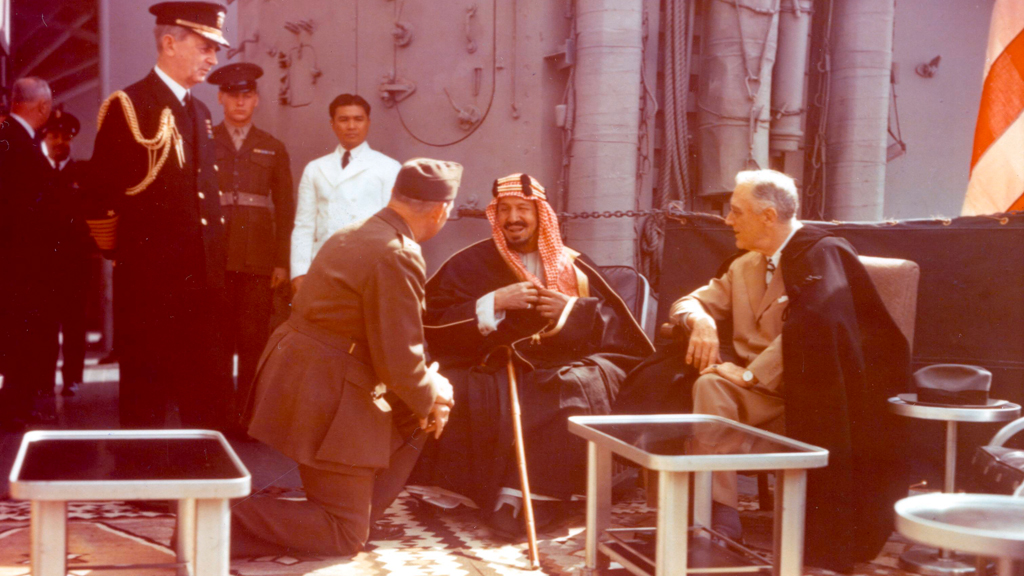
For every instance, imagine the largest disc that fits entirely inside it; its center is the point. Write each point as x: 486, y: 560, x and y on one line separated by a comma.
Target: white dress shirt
x: 46, y: 152
x: 179, y: 91
x: 774, y: 259
x: 331, y: 198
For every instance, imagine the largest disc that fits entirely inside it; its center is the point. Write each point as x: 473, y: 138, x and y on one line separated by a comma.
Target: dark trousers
x: 335, y: 518
x: 72, y: 295
x: 170, y: 348
x: 31, y: 361
x: 249, y: 300
x: 30, y: 347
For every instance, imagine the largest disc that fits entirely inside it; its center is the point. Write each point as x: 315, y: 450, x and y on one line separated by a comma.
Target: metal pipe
x: 858, y: 115
x: 603, y: 172
x: 789, y: 75
x: 733, y: 104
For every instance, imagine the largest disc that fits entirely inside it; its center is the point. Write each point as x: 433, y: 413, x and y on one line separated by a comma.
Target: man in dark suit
x: 256, y: 182
x: 27, y: 247
x: 74, y: 246
x: 154, y: 186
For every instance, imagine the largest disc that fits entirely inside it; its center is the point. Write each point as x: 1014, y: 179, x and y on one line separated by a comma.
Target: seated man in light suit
x: 813, y: 354
x: 342, y: 188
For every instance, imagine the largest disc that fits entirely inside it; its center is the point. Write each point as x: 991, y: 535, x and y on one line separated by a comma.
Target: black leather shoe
x: 505, y: 523
x: 386, y: 531
x: 69, y: 389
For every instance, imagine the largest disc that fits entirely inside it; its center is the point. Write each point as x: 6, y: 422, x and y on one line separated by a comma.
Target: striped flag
x: 997, y: 164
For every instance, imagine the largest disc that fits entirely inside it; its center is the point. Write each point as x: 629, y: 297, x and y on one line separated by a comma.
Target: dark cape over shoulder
x: 843, y: 356
x: 575, y: 371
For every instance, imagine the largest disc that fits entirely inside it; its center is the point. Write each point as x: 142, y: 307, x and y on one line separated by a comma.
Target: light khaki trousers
x: 758, y: 406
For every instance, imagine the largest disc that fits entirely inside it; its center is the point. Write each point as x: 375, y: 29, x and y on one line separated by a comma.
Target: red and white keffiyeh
x: 558, y: 269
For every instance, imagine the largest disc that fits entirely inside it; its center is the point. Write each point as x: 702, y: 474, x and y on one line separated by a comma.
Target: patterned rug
x: 449, y: 543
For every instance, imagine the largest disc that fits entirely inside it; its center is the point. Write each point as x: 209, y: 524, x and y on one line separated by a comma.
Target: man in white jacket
x: 342, y: 188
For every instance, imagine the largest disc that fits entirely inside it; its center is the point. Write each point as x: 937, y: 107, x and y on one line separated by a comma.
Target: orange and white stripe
x: 997, y: 164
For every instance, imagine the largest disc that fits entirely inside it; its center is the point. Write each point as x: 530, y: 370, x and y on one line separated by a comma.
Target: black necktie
x: 345, y: 159
x: 188, y: 106
x: 771, y: 271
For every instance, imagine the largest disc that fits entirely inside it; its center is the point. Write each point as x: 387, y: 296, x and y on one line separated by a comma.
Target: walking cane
x: 524, y: 480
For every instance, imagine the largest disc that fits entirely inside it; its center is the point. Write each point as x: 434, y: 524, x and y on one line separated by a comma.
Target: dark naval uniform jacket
x: 256, y: 197
x: 169, y: 254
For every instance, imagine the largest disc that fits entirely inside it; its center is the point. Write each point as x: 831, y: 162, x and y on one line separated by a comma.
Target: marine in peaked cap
x: 156, y: 211
x: 256, y: 197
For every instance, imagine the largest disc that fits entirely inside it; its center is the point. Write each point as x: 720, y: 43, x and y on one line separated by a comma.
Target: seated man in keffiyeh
x: 573, y: 341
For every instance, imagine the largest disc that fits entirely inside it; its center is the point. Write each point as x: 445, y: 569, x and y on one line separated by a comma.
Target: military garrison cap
x: 203, y: 18
x: 238, y: 77
x: 430, y: 180
x: 61, y: 121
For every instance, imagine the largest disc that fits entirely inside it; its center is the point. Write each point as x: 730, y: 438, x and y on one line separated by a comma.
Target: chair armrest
x: 1007, y: 432
x: 675, y: 331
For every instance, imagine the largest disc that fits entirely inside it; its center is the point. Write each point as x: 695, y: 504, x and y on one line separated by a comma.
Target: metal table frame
x: 941, y: 562
x: 913, y: 521
x: 674, y: 484
x: 203, y: 521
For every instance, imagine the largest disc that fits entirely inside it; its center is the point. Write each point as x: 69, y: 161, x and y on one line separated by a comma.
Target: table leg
x: 671, y: 544
x: 950, y: 480
x: 49, y: 537
x: 185, y: 530
x: 790, y: 513
x: 1006, y: 567
x: 940, y: 562
x: 213, y: 537
x: 599, y: 504
x: 702, y: 499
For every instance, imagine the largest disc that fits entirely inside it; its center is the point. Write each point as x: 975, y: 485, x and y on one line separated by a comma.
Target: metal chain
x: 471, y: 212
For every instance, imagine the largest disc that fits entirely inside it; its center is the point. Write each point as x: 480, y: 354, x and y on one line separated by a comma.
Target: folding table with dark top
x: 686, y: 449
x: 197, y: 468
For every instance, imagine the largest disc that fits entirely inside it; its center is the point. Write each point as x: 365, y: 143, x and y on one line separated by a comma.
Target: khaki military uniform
x: 355, y: 327
x: 256, y: 197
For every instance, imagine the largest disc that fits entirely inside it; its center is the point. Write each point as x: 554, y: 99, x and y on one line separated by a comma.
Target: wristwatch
x: 748, y: 376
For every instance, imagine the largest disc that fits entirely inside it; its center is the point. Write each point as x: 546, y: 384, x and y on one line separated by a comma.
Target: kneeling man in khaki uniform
x: 342, y: 387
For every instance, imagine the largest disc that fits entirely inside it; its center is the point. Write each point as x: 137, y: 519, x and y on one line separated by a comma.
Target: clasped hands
x: 702, y: 351
x: 526, y: 295
x: 437, y: 418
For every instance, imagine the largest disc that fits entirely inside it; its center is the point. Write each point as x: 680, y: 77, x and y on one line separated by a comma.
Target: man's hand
x: 518, y: 296
x: 730, y: 372
x: 437, y: 418
x: 279, y: 276
x: 550, y: 303
x: 297, y: 283
x: 702, y: 350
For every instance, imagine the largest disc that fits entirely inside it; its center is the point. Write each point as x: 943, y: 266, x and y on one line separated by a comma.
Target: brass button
x: 202, y: 196
x: 221, y: 219
x: 220, y: 192
x: 203, y: 220
x: 215, y: 168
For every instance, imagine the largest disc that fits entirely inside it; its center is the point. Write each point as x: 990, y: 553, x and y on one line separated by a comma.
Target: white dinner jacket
x: 331, y: 198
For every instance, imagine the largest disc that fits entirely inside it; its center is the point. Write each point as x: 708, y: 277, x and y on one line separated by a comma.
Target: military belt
x: 362, y: 373
x: 246, y: 199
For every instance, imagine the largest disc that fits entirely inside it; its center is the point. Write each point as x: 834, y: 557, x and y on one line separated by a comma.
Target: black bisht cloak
x: 576, y: 371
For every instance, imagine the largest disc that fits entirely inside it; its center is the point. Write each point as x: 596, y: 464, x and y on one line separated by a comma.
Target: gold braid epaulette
x: 166, y: 137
